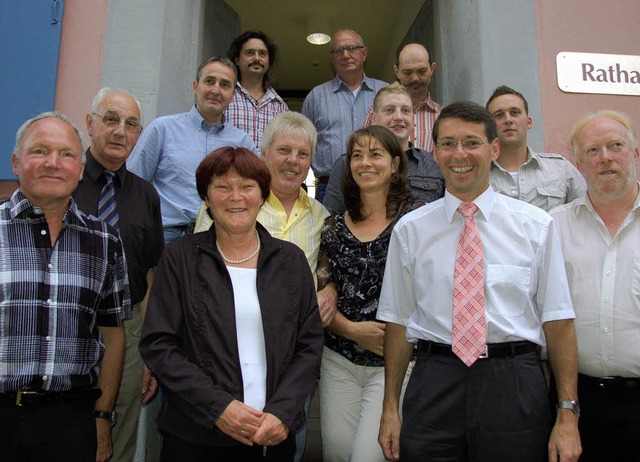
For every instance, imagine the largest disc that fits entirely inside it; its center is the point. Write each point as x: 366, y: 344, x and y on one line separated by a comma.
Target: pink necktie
x: 469, y: 337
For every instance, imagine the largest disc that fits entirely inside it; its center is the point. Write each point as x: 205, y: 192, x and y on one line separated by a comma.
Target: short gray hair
x: 106, y: 91
x: 293, y: 124
x: 48, y: 115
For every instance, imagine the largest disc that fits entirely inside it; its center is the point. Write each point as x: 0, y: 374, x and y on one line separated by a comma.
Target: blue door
x: 29, y: 44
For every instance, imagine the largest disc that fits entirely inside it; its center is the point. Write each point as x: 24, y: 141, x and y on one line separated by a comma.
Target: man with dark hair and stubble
x: 254, y: 102
x: 543, y: 179
x: 171, y: 147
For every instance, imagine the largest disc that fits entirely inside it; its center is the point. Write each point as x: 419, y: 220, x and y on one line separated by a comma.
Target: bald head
x: 414, y: 70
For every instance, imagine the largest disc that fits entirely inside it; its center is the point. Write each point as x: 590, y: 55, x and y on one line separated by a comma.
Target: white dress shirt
x: 525, y: 281
x: 604, y: 279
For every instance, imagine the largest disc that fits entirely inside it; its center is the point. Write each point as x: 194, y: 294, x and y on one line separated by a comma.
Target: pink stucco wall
x: 81, y: 52
x: 587, y: 26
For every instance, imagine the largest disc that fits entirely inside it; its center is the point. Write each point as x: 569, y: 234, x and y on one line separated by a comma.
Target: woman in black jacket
x: 233, y: 332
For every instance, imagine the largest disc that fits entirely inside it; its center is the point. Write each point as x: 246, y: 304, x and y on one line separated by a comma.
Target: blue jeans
x: 301, y: 434
x: 321, y: 189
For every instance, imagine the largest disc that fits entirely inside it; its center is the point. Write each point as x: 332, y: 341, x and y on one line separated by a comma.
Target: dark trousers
x: 609, y: 420
x: 175, y: 449
x: 63, y: 431
x: 497, y: 410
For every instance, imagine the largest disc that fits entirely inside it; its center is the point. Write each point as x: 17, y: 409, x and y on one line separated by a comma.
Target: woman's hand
x: 240, y: 422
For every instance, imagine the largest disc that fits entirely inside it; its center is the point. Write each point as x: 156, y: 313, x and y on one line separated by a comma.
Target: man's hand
x: 149, y: 385
x: 103, y: 433
x: 564, y: 442
x: 271, y: 432
x: 327, y: 303
x: 369, y: 335
x: 240, y: 422
x: 389, y: 435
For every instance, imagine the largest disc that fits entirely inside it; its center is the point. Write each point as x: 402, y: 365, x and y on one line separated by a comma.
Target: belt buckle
x: 22, y: 393
x: 485, y: 354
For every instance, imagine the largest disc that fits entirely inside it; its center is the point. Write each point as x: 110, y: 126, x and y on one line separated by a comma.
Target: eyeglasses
x: 467, y: 146
x: 113, y: 120
x: 349, y: 49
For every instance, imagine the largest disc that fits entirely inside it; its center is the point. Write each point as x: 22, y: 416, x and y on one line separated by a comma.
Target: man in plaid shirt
x: 63, y: 295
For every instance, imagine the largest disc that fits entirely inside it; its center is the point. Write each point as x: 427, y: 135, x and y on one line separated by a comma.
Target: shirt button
x: 48, y: 338
x: 49, y: 301
x: 608, y: 273
x: 606, y: 299
x: 50, y: 265
x: 606, y: 329
x: 43, y: 232
x: 45, y: 378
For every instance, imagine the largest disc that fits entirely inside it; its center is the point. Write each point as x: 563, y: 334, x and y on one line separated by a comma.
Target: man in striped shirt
x: 63, y: 296
x: 338, y: 107
x: 414, y: 69
x: 254, y: 102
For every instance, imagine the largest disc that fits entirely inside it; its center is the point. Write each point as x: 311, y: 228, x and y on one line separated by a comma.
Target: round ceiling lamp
x: 318, y: 28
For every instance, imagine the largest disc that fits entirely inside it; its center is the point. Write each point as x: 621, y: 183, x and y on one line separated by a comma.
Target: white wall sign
x: 598, y: 73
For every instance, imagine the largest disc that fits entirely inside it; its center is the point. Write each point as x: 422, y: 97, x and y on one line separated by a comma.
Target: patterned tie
x: 469, y: 337
x: 107, y: 206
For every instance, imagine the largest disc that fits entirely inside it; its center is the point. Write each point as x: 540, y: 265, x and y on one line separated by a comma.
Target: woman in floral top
x: 353, y: 253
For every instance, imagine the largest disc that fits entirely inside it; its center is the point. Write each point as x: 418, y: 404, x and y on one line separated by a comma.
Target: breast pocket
x: 551, y: 196
x: 425, y: 188
x: 509, y: 289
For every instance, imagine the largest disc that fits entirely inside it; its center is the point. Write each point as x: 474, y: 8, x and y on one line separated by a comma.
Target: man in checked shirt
x: 63, y: 295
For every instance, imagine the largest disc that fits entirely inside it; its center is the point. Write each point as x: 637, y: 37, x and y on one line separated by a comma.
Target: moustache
x: 256, y: 62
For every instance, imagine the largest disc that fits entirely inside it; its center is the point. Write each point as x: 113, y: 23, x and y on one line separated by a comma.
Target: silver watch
x: 573, y: 405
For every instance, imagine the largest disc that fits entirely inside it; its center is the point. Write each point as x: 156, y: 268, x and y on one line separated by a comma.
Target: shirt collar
x: 583, y: 203
x: 95, y: 169
x: 484, y: 201
x: 19, y: 205
x: 302, y: 200
x: 366, y: 83
x: 533, y: 158
x: 198, y: 121
x: 429, y: 103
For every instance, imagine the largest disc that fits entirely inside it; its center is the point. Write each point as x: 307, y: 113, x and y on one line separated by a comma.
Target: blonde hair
x: 617, y: 116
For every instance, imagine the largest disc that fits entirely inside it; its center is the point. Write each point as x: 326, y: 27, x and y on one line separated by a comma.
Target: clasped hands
x: 250, y: 426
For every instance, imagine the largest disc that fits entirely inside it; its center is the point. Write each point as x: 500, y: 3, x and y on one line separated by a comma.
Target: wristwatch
x: 572, y: 405
x: 108, y: 415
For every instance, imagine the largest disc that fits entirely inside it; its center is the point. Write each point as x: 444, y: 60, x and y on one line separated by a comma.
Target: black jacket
x: 189, y: 337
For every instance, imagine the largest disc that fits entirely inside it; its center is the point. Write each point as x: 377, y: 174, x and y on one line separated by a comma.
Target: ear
x: 14, y: 164
x: 529, y: 122
x: 495, y: 149
x: 89, y: 121
x: 195, y: 86
x: 434, y: 66
x: 396, y: 164
x: 396, y: 71
x: 365, y: 51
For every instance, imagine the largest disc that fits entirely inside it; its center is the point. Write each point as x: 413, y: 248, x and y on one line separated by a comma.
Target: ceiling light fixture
x: 318, y: 28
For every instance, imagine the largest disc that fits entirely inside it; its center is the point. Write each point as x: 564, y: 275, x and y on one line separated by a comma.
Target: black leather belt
x: 494, y: 350
x: 609, y: 383
x: 32, y: 398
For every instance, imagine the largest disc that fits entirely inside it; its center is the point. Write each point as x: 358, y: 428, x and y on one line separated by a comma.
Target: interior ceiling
x: 382, y: 24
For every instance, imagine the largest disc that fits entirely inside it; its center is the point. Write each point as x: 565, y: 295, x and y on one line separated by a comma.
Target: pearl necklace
x: 242, y: 260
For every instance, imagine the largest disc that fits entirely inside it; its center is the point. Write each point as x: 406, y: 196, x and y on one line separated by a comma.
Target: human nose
x: 52, y: 160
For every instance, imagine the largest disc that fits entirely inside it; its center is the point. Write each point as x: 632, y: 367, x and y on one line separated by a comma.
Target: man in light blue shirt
x: 171, y: 147
x: 338, y: 107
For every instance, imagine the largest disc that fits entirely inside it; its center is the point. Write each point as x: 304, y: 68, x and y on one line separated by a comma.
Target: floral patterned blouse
x: 357, y: 269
